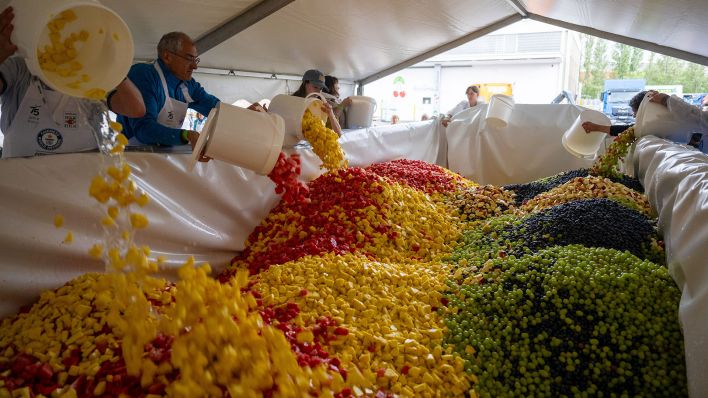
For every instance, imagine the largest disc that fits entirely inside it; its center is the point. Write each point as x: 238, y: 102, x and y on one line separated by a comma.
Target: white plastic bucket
x: 361, y: 111
x: 655, y: 119
x: 106, y: 56
x: 578, y: 142
x: 292, y: 109
x: 246, y: 138
x: 499, y: 110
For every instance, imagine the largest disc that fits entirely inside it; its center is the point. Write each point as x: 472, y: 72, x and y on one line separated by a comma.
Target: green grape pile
x: 570, y: 321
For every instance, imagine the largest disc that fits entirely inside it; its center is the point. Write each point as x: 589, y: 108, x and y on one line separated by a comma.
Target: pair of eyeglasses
x: 188, y: 58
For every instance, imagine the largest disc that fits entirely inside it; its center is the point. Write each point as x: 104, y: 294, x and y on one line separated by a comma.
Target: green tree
x: 598, y: 69
x: 694, y: 78
x: 668, y: 70
x: 622, y: 59
x: 663, y: 70
x: 635, y: 61
x: 587, y: 63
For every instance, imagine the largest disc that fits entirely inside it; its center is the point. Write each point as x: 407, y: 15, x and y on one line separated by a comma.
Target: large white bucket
x: 655, y: 119
x: 499, y: 110
x: 246, y: 138
x: 292, y: 109
x: 106, y: 56
x: 578, y: 142
x: 361, y: 111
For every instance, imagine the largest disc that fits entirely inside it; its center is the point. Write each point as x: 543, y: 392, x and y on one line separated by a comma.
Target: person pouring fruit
x: 38, y: 120
x: 169, y: 90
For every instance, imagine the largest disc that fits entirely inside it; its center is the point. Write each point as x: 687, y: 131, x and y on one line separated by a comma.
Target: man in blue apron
x: 38, y: 120
x: 168, y: 89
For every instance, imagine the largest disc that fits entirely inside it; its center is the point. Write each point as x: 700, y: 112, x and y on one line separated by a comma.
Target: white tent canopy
x: 362, y: 40
x: 357, y: 40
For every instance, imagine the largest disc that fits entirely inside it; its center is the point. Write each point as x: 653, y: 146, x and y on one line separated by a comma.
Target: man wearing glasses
x: 168, y: 89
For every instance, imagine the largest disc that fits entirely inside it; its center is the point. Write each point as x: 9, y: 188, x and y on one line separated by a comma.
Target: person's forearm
x: 127, y: 100
x: 335, y: 124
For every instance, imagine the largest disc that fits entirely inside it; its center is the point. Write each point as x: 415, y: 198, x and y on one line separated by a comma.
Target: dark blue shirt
x: 146, y: 129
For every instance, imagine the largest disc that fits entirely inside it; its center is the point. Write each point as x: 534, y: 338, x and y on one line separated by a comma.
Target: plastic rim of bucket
x: 203, y: 140
x: 120, y: 63
x: 292, y: 109
x: 206, y: 137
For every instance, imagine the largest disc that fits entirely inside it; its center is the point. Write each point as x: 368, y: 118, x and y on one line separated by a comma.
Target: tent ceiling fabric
x: 354, y: 39
x: 351, y: 39
x: 150, y: 19
x: 679, y: 24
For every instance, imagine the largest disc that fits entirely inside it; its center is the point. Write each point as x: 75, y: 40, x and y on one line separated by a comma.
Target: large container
x: 578, y: 142
x: 499, y: 110
x: 106, y: 55
x: 655, y: 119
x: 246, y: 138
x: 361, y: 112
x: 292, y: 109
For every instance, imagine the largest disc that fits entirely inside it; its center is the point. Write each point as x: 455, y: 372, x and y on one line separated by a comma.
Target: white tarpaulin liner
x: 527, y: 149
x: 207, y: 213
x: 675, y: 178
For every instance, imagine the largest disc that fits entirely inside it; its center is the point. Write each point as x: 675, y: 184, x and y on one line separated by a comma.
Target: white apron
x: 48, y: 122
x: 173, y: 111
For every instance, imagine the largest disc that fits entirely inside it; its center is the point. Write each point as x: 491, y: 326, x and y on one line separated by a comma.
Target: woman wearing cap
x: 313, y: 81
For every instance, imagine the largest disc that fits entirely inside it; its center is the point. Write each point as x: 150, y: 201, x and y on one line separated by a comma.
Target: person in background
x: 424, y: 117
x: 313, y: 81
x: 395, y: 119
x: 198, y: 122
x: 472, y: 100
x: 338, y: 105
x: 30, y: 107
x: 682, y: 110
x: 168, y: 89
x: 616, y: 129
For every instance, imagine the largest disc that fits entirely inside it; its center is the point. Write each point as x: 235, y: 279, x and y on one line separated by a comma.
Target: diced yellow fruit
x: 96, y: 250
x: 95, y: 94
x: 138, y: 221
x: 58, y: 220
x: 118, y: 128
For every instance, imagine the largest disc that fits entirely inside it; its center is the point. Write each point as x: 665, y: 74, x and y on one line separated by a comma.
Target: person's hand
x: 659, y: 98
x: 590, y: 127
x: 258, y: 107
x: 347, y: 101
x: 327, y: 108
x: 6, y: 46
x: 445, y: 121
x: 192, y: 137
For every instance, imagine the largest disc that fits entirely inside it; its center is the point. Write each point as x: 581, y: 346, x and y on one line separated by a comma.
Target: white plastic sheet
x: 208, y: 213
x: 529, y: 148
x: 675, y: 178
